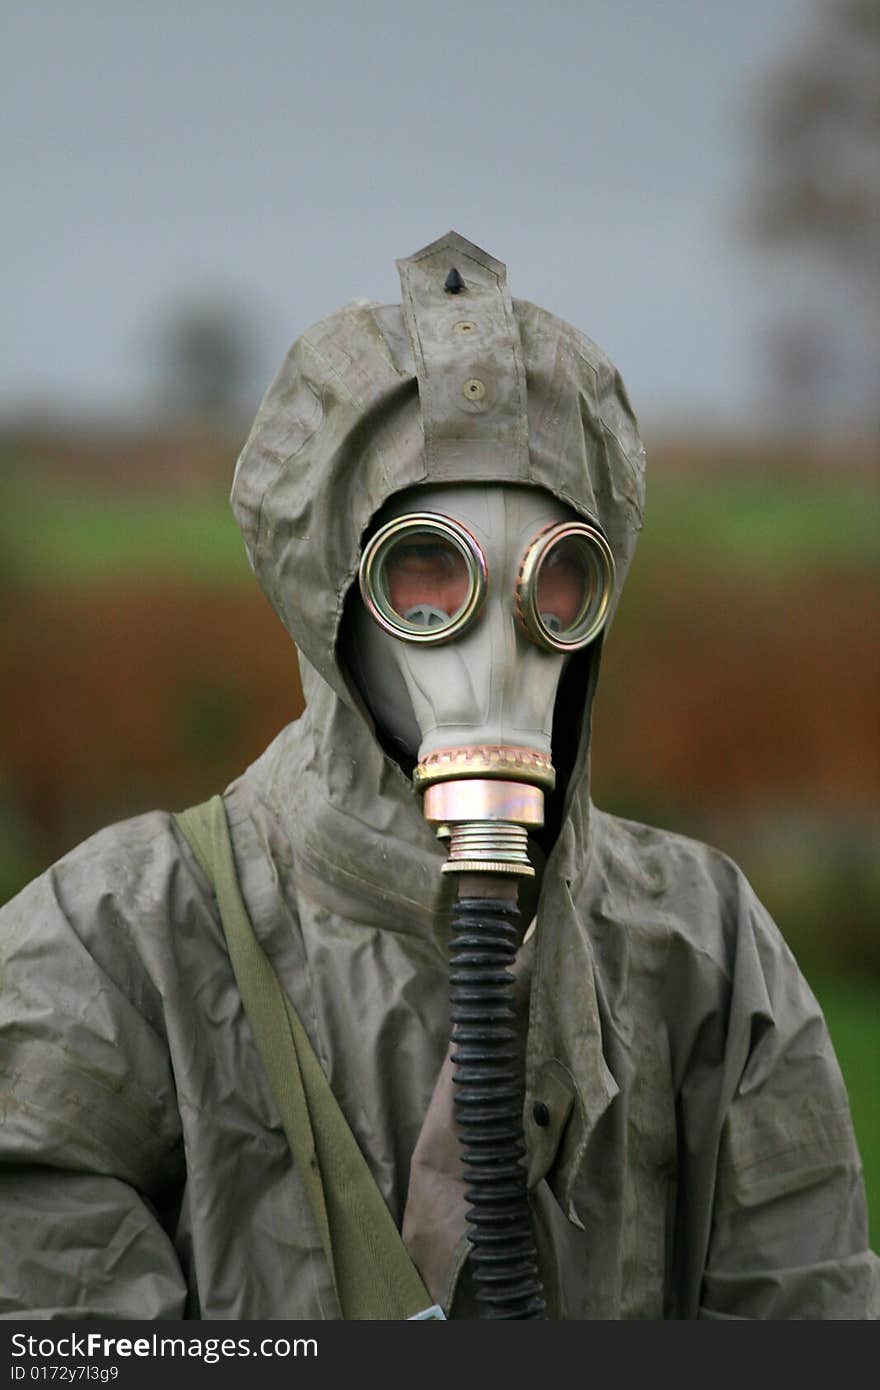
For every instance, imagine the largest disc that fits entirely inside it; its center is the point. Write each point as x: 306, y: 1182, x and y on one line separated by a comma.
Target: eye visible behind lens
x: 426, y: 580
x: 563, y: 585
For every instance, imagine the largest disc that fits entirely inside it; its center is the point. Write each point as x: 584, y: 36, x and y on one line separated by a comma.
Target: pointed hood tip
x: 451, y: 241
x: 453, y: 251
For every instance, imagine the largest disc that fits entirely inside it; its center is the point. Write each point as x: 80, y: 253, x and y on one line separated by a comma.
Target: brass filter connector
x: 487, y: 823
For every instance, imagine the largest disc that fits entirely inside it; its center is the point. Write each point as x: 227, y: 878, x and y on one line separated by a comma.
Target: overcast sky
x: 287, y: 153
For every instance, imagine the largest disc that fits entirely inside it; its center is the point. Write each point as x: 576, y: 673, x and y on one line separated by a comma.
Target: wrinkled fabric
x: 699, y: 1159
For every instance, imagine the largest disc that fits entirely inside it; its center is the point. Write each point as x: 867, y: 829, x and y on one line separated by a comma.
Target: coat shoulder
x: 116, y: 898
x: 669, y: 884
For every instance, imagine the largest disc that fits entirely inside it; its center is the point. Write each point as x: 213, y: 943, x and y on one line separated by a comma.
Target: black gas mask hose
x: 488, y: 851
x: 489, y: 1104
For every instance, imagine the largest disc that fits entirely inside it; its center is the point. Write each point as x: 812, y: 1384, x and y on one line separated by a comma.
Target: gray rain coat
x: 699, y: 1159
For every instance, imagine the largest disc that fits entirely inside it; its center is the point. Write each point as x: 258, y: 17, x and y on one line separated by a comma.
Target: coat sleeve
x: 91, y: 1153
x: 789, y: 1235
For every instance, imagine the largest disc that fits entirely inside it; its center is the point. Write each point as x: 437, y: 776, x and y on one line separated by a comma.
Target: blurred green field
x: 775, y: 525
x: 86, y: 533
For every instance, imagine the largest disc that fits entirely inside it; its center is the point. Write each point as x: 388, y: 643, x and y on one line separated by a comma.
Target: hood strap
x: 469, y: 361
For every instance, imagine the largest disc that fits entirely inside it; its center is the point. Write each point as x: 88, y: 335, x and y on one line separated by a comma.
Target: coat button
x: 541, y: 1114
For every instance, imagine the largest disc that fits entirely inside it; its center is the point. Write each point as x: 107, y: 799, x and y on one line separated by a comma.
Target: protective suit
x: 688, y: 1138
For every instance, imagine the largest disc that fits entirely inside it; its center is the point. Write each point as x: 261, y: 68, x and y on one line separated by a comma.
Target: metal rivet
x: 474, y: 389
x: 540, y: 1114
x: 463, y: 326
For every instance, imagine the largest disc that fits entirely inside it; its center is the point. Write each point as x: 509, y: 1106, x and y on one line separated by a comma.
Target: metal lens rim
x: 592, y: 619
x: 377, y: 551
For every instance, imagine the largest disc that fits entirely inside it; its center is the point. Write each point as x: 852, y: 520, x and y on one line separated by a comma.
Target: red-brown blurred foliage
x: 719, y: 695
x: 135, y: 696
x: 740, y: 693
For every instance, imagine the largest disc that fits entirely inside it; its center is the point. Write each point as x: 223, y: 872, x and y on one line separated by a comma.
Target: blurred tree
x: 804, y: 367
x: 818, y: 129
x: 207, y: 354
x: 820, y: 125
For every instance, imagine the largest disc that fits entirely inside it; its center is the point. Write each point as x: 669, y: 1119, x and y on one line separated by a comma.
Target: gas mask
x: 473, y: 595
x: 472, y: 599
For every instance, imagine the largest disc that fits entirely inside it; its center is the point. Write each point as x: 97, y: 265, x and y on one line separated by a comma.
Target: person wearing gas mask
x: 403, y: 1025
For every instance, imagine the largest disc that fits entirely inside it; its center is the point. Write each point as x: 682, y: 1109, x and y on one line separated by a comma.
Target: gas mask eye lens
x: 423, y: 577
x: 564, y: 586
x: 426, y: 580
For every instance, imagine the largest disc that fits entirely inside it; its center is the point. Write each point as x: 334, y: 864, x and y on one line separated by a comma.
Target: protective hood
x: 460, y: 383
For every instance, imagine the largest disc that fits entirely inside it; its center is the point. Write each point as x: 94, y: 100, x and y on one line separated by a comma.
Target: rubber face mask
x: 471, y: 600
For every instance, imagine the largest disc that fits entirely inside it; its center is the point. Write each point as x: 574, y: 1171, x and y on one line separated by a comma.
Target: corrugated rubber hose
x: 489, y: 1107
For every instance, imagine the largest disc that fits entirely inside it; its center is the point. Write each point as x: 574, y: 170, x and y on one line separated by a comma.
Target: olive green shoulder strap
x: 371, y: 1267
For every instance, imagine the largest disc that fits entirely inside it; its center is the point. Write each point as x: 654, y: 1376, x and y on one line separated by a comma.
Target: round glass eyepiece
x: 423, y: 577
x: 564, y: 587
